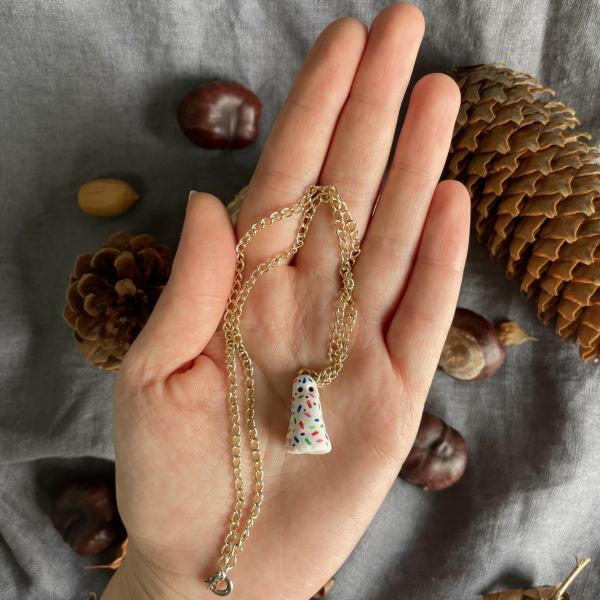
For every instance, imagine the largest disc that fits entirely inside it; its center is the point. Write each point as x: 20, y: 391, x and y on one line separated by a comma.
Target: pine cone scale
x: 96, y: 304
x: 91, y: 283
x: 88, y: 326
x: 103, y: 261
x: 82, y: 265
x: 74, y: 300
x: 126, y: 267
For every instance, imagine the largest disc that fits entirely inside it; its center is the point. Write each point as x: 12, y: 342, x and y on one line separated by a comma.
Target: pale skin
x: 171, y: 418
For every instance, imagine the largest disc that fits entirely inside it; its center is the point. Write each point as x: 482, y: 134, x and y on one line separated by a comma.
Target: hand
x: 171, y: 418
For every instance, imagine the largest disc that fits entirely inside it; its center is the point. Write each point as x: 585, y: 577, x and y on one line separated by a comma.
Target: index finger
x: 296, y: 147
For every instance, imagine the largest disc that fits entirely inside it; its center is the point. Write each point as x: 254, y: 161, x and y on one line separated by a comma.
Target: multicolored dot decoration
x: 306, y: 432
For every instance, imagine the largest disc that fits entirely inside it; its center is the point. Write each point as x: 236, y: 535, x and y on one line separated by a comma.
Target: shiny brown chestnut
x: 220, y: 115
x: 438, y: 457
x: 472, y: 349
x: 86, y: 516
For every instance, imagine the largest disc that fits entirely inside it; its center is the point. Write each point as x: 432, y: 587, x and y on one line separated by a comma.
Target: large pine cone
x: 112, y: 293
x: 535, y: 190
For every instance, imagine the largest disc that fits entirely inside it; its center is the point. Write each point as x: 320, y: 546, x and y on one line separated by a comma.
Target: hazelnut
x: 106, y: 197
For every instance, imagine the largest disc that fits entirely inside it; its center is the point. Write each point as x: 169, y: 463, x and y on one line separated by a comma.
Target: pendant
x: 306, y: 432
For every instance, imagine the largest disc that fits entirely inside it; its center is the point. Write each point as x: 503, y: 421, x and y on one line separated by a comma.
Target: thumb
x: 190, y: 307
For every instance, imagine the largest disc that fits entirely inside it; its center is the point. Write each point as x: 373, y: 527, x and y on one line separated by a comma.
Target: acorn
x: 438, y: 457
x: 220, y: 115
x: 474, y: 348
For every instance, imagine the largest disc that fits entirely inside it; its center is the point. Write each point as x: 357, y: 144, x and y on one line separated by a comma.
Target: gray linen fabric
x: 89, y: 89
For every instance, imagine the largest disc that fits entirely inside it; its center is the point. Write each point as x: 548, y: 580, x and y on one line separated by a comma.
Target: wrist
x: 133, y: 581
x: 118, y: 587
x: 138, y: 579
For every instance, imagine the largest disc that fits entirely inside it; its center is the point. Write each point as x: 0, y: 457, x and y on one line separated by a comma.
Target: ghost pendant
x: 306, y: 432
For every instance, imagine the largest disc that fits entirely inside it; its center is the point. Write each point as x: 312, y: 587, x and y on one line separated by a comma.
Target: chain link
x: 343, y: 322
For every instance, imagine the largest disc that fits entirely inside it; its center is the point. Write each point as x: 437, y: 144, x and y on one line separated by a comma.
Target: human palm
x: 172, y: 427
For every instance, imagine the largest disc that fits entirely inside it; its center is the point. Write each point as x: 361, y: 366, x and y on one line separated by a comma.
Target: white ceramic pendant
x: 306, y: 432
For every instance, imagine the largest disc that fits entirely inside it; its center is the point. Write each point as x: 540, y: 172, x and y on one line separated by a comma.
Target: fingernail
x: 192, y: 192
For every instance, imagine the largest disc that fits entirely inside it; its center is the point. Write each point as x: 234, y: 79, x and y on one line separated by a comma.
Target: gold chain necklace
x: 306, y: 431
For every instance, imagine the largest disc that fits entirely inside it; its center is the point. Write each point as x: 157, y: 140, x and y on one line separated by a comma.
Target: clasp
x: 213, y: 580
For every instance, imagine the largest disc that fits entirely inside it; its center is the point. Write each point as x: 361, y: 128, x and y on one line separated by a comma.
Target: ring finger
x: 391, y: 241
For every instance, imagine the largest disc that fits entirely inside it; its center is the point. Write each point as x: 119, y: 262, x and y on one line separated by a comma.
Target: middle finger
x: 361, y: 143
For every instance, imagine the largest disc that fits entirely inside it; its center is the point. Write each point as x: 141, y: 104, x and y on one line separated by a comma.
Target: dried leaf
x: 511, y: 334
x: 325, y: 589
x: 234, y: 206
x: 555, y: 592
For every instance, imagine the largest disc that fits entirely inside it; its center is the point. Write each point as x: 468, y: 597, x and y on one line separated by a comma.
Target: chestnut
x: 438, y: 457
x: 472, y: 349
x: 86, y: 516
x: 220, y: 115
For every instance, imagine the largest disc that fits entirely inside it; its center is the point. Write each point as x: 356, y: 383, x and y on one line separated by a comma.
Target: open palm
x: 171, y: 421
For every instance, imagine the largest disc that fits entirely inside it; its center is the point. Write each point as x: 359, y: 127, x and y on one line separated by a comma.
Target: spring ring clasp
x: 213, y: 580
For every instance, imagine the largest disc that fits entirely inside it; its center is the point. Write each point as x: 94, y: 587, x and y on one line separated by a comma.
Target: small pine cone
x: 535, y: 191
x: 112, y: 293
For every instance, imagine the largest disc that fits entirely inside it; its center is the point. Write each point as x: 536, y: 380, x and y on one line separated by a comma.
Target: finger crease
x: 445, y: 265
x: 403, y: 167
x: 378, y: 105
x: 390, y: 244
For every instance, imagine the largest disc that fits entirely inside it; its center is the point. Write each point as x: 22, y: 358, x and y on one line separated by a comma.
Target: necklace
x: 306, y: 431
